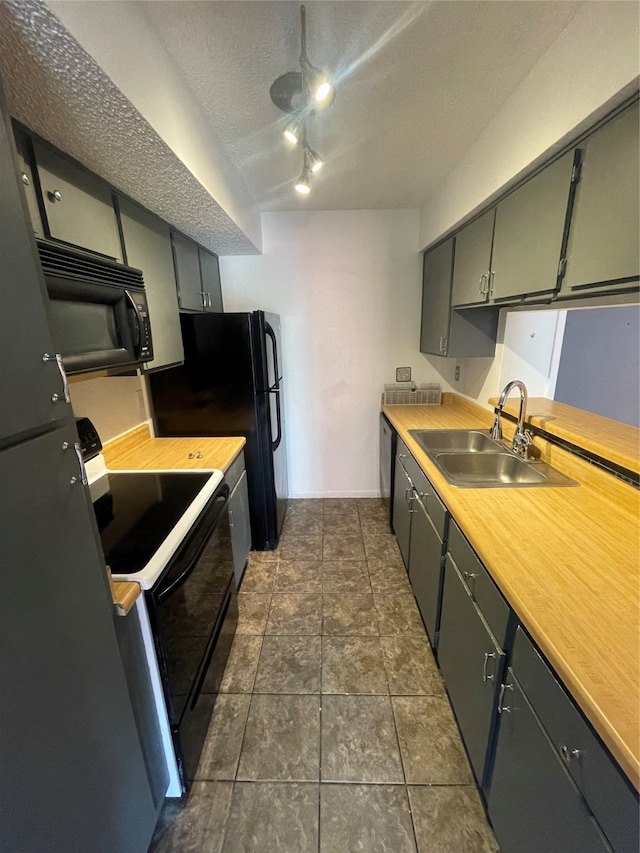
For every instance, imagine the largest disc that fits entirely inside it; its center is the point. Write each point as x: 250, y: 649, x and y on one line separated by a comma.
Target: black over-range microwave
x: 98, y: 310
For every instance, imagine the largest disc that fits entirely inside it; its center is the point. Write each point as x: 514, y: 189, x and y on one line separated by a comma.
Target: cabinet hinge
x: 562, y: 267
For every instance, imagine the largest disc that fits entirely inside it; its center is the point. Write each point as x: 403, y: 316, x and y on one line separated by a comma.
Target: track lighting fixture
x: 303, y: 93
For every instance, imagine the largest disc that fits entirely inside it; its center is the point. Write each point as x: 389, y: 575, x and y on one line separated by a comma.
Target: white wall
x: 347, y: 285
x: 586, y: 72
x: 115, y: 404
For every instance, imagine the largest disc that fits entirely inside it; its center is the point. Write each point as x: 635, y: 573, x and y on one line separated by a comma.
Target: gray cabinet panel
x: 401, y: 518
x: 604, y: 242
x: 78, y: 206
x: 27, y: 384
x: 240, y: 526
x: 436, y: 299
x: 609, y: 795
x: 472, y: 261
x: 533, y: 804
x: 472, y: 664
x: 528, y: 233
x: 425, y: 568
x: 73, y: 775
x: 187, y: 268
x: 210, y: 276
x: 147, y: 243
x: 25, y: 174
x: 483, y: 590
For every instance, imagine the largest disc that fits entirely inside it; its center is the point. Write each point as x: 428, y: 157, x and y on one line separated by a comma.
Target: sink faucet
x: 521, y: 437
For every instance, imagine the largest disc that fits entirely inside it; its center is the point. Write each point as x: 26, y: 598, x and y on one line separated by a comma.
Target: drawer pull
x: 470, y: 578
x: 567, y: 754
x: 504, y: 709
x: 485, y: 675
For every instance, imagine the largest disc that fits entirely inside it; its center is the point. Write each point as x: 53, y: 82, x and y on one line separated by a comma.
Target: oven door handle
x: 163, y: 593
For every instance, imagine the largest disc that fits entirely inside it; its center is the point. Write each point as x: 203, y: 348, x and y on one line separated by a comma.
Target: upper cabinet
x: 472, y: 266
x: 77, y: 206
x: 528, y: 234
x: 147, y: 243
x: 603, y: 248
x: 197, y: 276
x: 446, y: 332
x: 25, y: 175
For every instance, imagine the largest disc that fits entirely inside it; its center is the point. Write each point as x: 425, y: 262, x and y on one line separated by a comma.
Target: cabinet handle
x: 491, y: 279
x: 567, y: 754
x: 203, y: 296
x: 230, y: 518
x: 408, y: 495
x: 485, y: 675
x: 83, y: 472
x: 506, y: 709
x: 402, y: 455
x: 25, y: 179
x: 444, y: 345
x: 54, y: 195
x: 56, y: 398
x: 471, y: 576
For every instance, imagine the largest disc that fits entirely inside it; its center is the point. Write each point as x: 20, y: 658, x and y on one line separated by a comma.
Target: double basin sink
x: 470, y: 459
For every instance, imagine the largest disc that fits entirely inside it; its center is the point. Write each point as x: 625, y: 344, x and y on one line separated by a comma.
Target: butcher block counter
x: 138, y: 450
x: 566, y: 560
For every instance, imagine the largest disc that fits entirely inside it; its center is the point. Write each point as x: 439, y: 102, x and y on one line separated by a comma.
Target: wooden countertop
x: 566, y: 559
x: 612, y: 440
x: 137, y: 450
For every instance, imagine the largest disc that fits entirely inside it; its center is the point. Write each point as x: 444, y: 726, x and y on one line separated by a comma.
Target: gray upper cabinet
x: 147, y: 242
x: 210, y: 278
x: 187, y: 268
x: 436, y: 299
x: 32, y: 389
x: 472, y: 264
x: 527, y: 240
x: 25, y: 174
x: 603, y: 246
x: 78, y: 206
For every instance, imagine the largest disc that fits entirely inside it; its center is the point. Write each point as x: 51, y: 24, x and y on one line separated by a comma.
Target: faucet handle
x: 496, y: 430
x: 521, y: 441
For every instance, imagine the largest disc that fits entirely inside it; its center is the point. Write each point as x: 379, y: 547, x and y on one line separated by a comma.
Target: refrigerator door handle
x: 275, y: 444
x: 274, y: 343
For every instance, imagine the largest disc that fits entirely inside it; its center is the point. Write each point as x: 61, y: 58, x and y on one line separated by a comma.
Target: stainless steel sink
x: 497, y: 470
x: 455, y: 441
x: 471, y: 459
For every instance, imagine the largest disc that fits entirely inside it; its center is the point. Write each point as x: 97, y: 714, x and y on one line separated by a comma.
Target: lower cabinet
x: 472, y: 662
x: 425, y: 568
x: 533, y: 803
x: 402, y: 501
x: 239, y: 523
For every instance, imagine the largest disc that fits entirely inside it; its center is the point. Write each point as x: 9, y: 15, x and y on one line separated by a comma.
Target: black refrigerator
x: 231, y: 383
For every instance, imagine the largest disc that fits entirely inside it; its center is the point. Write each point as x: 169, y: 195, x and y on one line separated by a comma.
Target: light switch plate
x: 403, y: 374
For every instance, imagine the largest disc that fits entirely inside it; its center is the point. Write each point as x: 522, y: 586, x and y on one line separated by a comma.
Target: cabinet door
x: 604, y: 234
x: 436, y: 299
x: 402, y: 500
x: 73, y: 774
x: 533, y: 804
x: 425, y: 568
x: 527, y: 240
x: 472, y: 663
x: 147, y: 242
x: 472, y: 261
x: 78, y: 206
x: 187, y: 268
x: 27, y: 383
x: 25, y: 174
x: 240, y: 526
x: 210, y: 276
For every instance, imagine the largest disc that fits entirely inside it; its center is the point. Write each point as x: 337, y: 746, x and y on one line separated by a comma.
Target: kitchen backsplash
x: 115, y: 404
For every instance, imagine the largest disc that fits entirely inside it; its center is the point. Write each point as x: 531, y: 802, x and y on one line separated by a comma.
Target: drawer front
x: 483, y: 590
x: 234, y: 471
x: 425, y: 490
x: 605, y: 788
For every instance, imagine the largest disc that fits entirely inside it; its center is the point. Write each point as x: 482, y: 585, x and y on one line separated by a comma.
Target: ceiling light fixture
x: 303, y: 93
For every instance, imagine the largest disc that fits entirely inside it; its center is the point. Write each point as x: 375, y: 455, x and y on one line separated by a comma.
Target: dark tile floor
x: 333, y: 732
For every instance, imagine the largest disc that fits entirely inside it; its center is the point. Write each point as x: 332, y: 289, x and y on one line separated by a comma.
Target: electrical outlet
x: 403, y: 374
x: 457, y: 373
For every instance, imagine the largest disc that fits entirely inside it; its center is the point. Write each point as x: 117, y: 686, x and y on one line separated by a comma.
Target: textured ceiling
x: 54, y: 87
x: 417, y: 83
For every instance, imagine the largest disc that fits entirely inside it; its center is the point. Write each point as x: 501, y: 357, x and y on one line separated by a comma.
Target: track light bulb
x: 314, y: 161
x: 293, y: 131
x: 303, y: 185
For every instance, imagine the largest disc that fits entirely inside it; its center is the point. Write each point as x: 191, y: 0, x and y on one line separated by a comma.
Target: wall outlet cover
x: 403, y: 374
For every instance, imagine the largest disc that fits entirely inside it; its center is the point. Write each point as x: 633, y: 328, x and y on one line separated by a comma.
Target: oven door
x: 194, y: 616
